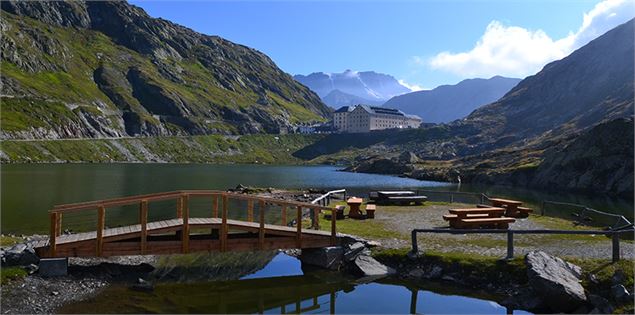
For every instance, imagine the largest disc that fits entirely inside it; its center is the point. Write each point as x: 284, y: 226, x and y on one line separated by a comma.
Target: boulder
x: 327, y: 257
x: 367, y: 266
x: 619, y: 293
x: 351, y: 251
x: 555, y: 281
x: 20, y: 255
x: 435, y: 273
x: 600, y: 304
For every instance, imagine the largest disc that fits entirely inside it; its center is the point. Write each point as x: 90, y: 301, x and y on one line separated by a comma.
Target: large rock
x: 20, y: 255
x: 555, y: 281
x: 351, y: 251
x: 327, y: 257
x: 367, y: 266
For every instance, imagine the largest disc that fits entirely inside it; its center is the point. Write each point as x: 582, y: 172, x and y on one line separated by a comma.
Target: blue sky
x: 423, y: 43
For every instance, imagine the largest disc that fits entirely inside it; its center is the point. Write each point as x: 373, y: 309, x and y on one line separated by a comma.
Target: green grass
x: 9, y: 240
x: 8, y: 274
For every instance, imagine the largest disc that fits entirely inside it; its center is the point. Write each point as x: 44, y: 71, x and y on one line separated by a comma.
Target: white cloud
x: 517, y: 52
x: 412, y: 87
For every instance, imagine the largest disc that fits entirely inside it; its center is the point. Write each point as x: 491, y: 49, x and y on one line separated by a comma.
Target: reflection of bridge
x: 182, y: 233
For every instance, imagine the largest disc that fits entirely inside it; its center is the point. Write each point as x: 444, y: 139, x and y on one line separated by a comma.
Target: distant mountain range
x: 450, y: 102
x: 352, y: 87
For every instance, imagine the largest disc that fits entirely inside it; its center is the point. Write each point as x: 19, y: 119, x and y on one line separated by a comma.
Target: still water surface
x: 30, y: 190
x: 283, y: 287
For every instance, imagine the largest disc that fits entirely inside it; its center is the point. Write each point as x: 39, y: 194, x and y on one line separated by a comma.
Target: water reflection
x: 282, y: 286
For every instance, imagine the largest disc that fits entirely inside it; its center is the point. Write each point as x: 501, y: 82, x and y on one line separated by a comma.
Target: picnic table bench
x: 370, y: 211
x: 404, y: 197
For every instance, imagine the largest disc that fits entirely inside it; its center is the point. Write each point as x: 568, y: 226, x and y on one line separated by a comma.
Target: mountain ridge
x: 448, y: 102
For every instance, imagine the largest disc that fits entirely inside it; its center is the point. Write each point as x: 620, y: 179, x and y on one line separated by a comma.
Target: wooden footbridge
x: 182, y: 233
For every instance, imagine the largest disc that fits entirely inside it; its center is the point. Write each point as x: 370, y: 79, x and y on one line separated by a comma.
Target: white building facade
x: 363, y: 118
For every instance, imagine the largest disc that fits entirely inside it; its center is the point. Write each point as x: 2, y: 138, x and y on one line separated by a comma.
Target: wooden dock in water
x: 170, y: 236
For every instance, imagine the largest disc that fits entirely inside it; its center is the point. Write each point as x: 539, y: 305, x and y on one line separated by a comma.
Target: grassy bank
x: 259, y: 148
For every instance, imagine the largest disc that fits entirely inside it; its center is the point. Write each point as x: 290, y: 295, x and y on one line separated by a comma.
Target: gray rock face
x: 327, y: 257
x: 351, y: 251
x: 367, y: 266
x: 555, y: 281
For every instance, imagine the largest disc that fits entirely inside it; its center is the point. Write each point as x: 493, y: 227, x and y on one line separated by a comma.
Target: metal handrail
x: 510, y: 236
x: 584, y: 208
x: 326, y: 198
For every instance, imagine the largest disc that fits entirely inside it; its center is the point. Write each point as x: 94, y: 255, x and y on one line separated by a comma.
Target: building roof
x: 344, y: 109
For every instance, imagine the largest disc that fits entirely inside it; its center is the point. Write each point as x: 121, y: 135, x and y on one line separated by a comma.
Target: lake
x: 282, y: 286
x: 30, y: 190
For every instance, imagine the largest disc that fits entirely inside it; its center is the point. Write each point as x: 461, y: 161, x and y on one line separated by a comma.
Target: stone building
x: 364, y: 118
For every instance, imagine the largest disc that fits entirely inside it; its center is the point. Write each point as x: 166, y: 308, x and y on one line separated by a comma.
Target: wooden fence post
x: 261, y: 230
x: 59, y: 224
x: 215, y: 206
x: 101, y: 223
x: 53, y: 234
x: 144, y: 225
x: 223, y: 229
x: 298, y: 237
x: 333, y: 228
x: 316, y: 218
x: 185, y: 237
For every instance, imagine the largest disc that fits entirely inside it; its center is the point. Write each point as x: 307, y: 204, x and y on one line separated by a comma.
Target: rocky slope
x: 450, y: 102
x: 107, y: 69
x: 368, y: 85
x: 337, y: 99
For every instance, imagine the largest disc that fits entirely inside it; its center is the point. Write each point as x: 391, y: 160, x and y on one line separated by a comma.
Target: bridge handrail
x: 122, y: 201
x: 326, y: 197
x: 182, y: 212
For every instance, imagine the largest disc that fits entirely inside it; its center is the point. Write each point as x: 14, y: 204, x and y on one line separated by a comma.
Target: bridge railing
x: 220, y: 209
x: 325, y: 199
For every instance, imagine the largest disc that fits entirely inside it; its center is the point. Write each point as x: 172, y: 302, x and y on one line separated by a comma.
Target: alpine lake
x: 273, y: 282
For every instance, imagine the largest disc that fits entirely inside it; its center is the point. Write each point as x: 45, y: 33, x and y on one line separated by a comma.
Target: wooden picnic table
x: 354, y: 203
x: 469, y: 217
x: 511, y: 205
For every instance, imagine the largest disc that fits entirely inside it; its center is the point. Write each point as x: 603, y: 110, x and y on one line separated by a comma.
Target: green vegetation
x: 9, y: 240
x: 8, y: 274
x: 258, y: 148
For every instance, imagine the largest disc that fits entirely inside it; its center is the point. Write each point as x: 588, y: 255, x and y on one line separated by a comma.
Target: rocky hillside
x: 565, y: 128
x: 450, y: 102
x: 106, y: 69
x: 373, y: 87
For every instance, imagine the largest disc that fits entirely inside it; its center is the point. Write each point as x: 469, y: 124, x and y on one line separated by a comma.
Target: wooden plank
x: 185, y: 237
x: 298, y: 237
x: 223, y: 230
x: 261, y: 230
x: 144, y: 226
x: 250, y: 210
x: 101, y: 222
x: 53, y: 234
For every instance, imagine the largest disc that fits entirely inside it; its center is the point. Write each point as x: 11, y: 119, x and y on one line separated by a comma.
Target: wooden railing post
x: 59, y: 224
x: 143, y: 214
x: 298, y: 237
x: 333, y: 228
x: 53, y: 234
x: 179, y: 214
x: 284, y: 215
x: 185, y: 237
x: 250, y: 211
x: 101, y: 224
x: 316, y: 218
x: 261, y: 230
x: 214, y: 206
x: 223, y: 228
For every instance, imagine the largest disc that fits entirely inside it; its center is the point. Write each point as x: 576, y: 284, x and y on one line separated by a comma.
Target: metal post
x: 415, y: 246
x: 616, y: 247
x: 510, y: 244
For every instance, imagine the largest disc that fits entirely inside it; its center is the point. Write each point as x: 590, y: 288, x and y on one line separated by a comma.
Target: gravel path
x: 405, y: 219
